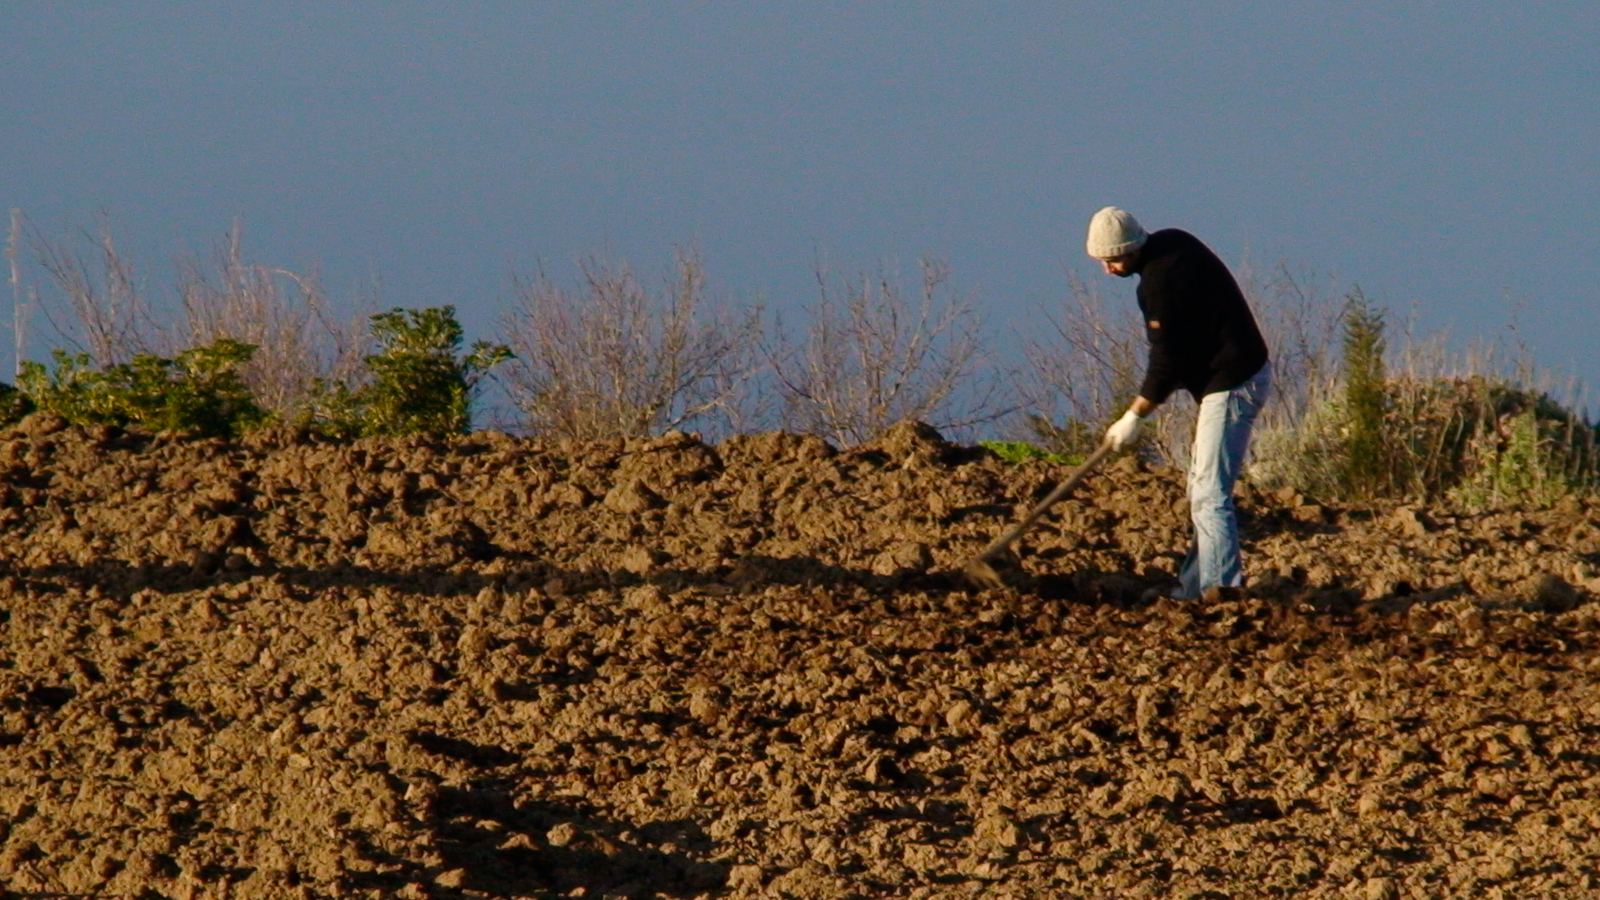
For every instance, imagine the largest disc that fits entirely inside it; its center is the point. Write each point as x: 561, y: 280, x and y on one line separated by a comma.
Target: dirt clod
x: 496, y: 667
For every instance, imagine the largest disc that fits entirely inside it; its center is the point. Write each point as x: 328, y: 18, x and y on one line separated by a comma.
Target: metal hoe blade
x: 979, y: 572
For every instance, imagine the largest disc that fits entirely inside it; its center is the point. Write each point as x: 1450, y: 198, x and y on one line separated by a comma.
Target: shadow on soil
x: 118, y: 578
x: 484, y: 840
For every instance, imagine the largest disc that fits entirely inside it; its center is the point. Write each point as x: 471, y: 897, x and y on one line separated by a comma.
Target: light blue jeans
x: 1221, y: 437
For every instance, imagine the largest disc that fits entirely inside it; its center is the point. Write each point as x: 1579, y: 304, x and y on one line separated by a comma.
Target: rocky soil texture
x: 504, y: 668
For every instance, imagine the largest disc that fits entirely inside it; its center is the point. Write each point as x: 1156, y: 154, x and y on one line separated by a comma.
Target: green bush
x: 417, y: 383
x: 198, y: 392
x: 1527, y: 449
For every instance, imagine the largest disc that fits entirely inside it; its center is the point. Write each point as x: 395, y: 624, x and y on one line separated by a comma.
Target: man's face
x: 1120, y: 266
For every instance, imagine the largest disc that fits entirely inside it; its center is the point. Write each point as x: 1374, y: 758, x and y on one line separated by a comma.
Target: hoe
x: 980, y: 573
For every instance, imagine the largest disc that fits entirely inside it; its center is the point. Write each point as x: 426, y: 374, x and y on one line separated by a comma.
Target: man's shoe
x: 1169, y: 591
x: 1220, y: 594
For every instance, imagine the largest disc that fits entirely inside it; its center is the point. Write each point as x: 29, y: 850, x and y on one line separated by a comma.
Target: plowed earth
x: 504, y: 668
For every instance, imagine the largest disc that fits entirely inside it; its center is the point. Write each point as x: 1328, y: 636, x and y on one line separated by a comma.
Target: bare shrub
x: 615, y: 359
x: 1086, y: 367
x: 97, y: 308
x: 300, y: 347
x: 872, y: 356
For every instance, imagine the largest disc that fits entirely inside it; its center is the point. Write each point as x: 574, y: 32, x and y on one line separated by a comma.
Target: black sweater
x: 1202, y: 335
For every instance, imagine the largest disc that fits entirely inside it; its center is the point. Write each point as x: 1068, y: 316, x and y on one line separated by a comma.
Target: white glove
x: 1125, y: 430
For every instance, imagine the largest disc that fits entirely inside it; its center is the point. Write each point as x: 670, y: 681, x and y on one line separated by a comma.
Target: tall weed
x: 1086, y: 369
x: 95, y: 306
x: 1366, y: 452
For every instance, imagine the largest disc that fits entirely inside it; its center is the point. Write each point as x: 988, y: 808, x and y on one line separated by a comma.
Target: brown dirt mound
x: 495, y: 667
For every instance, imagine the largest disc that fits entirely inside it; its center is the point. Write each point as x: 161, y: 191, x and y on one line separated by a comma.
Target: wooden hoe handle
x: 999, y: 544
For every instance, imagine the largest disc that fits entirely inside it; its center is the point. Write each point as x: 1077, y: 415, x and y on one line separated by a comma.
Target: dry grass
x: 1299, y: 315
x: 1472, y: 428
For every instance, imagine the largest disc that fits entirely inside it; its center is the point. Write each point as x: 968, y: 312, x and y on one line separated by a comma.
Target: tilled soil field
x: 504, y: 668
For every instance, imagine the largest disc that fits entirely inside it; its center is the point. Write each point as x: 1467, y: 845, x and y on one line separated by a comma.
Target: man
x: 1203, y: 339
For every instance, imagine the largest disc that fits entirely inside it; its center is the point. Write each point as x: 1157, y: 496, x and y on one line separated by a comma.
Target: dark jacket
x: 1202, y: 335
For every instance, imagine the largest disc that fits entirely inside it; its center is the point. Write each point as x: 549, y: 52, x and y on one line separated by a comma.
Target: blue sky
x: 1443, y: 156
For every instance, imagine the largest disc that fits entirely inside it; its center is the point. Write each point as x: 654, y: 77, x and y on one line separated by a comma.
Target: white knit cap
x: 1113, y: 232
